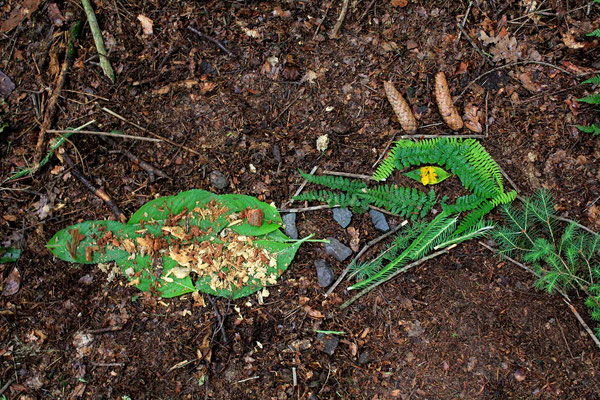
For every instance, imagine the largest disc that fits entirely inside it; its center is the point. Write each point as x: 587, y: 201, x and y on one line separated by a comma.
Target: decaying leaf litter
x: 466, y: 318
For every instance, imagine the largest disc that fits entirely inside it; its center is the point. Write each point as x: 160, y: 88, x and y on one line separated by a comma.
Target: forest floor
x: 465, y: 325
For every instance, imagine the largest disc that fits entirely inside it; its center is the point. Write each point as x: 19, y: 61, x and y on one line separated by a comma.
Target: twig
x: 472, y: 42
x: 156, y: 135
x: 113, y: 134
x: 303, y: 209
x: 98, y: 40
x: 512, y: 183
x: 417, y: 136
x: 340, y: 20
x: 359, y: 255
x: 566, y: 298
x: 104, y: 330
x: 512, y: 65
x: 248, y: 379
x: 98, y: 192
x: 211, y: 39
x: 364, y: 14
x: 464, y: 20
x: 348, y: 175
x: 6, y: 385
x: 301, y: 188
x: 396, y: 273
x: 322, y: 20
x: 95, y: 364
x: 60, y: 83
x: 220, y: 319
x: 582, y: 322
x: 151, y: 170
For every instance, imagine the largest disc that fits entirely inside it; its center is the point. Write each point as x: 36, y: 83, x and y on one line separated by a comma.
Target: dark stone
x: 218, y: 179
x: 289, y: 222
x: 336, y: 249
x: 206, y: 67
x: 342, y: 216
x: 364, y: 357
x: 331, y: 342
x: 324, y: 273
x: 379, y: 220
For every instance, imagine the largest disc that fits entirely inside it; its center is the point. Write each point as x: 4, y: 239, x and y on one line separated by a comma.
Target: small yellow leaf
x: 428, y: 176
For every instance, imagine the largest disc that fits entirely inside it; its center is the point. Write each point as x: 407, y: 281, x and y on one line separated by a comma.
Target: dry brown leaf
x: 316, y: 314
x: 354, y: 238
x: 399, y: 3
x: 401, y: 108
x: 472, y: 119
x: 445, y: 105
x: 147, y: 24
x: 18, y: 14
x: 12, y: 284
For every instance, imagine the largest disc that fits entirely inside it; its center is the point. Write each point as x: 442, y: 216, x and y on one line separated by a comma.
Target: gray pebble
x: 330, y: 342
x: 342, y: 216
x: 218, y: 179
x: 336, y: 249
x: 289, y: 222
x: 364, y: 357
x: 379, y: 220
x: 324, y: 273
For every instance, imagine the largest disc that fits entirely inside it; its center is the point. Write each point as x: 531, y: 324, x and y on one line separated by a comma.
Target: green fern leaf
x: 593, y: 129
x: 591, y: 99
x: 594, y: 80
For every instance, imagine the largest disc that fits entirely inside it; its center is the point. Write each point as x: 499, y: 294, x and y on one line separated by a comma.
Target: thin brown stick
x: 151, y: 170
x: 156, y: 135
x: 512, y: 65
x: 417, y: 136
x: 6, y: 385
x: 304, y: 182
x: 360, y: 254
x: 98, y: 192
x: 348, y: 175
x: 95, y: 364
x: 220, y: 319
x: 512, y: 183
x: 396, y: 273
x: 322, y: 20
x: 340, y: 21
x: 104, y: 330
x: 303, y: 209
x: 211, y: 39
x: 364, y: 14
x: 472, y: 42
x: 51, y: 107
x: 112, y: 134
x: 566, y: 298
x: 464, y: 20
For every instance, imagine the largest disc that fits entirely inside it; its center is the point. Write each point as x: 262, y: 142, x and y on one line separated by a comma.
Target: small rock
x: 520, y: 375
x: 324, y: 273
x: 342, y: 216
x: 289, y: 223
x: 379, y: 220
x: 364, y: 357
x: 86, y: 279
x: 206, y: 68
x: 218, y: 179
x: 330, y: 342
x: 336, y: 249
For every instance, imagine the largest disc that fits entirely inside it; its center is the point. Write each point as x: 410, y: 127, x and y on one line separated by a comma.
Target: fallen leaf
x: 18, y: 14
x: 316, y: 314
x: 471, y: 119
x: 12, y: 284
x: 569, y: 41
x: 527, y: 82
x: 147, y: 24
x: 354, y: 238
x: 55, y: 16
x: 399, y: 3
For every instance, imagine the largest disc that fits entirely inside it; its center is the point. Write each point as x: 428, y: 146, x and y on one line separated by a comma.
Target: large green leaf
x: 9, y: 254
x: 238, y: 203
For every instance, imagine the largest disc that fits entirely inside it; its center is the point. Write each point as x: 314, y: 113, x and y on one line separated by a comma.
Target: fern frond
x: 440, y: 228
x: 595, y: 80
x: 405, y: 202
x: 595, y: 33
x: 591, y: 99
x: 332, y: 198
x: 335, y: 182
x: 593, y: 129
x: 463, y: 203
x: 484, y: 208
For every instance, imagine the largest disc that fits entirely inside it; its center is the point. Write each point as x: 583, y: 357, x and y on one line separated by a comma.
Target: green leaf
x: 593, y: 129
x: 428, y: 175
x: 9, y: 254
x: 595, y: 33
x: 591, y: 99
x: 92, y: 234
x: 593, y: 80
x: 159, y: 209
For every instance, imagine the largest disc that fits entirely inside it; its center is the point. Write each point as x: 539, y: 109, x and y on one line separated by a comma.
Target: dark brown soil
x: 465, y: 325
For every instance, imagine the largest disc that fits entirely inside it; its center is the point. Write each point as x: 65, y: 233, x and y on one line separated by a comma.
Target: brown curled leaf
x: 442, y: 95
x: 401, y: 108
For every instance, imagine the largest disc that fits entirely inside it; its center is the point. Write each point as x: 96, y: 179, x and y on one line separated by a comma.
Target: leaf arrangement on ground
x: 226, y: 245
